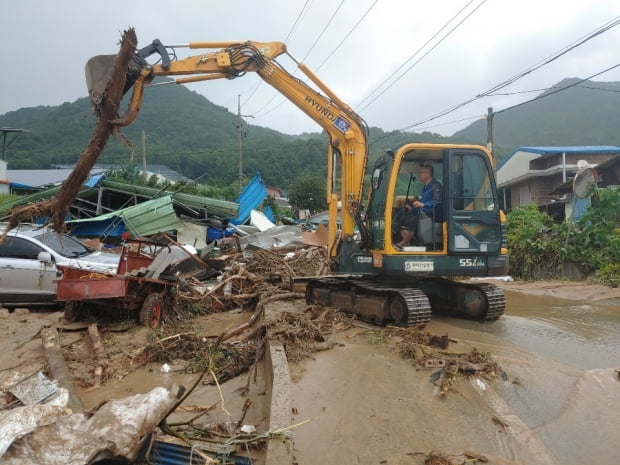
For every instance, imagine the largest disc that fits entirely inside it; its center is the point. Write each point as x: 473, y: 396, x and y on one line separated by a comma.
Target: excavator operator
x: 431, y: 196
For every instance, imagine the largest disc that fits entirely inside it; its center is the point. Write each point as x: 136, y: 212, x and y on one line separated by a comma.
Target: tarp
x: 141, y: 220
x: 250, y: 198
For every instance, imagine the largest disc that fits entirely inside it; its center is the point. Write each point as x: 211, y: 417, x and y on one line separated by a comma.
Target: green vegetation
x: 308, y: 192
x: 540, y: 248
x: 186, y: 132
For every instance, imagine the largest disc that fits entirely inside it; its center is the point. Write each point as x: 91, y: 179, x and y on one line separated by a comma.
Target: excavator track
x: 372, y: 302
x: 483, y: 302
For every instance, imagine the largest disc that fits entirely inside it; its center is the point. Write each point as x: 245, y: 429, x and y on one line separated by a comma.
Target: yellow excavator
x: 378, y: 273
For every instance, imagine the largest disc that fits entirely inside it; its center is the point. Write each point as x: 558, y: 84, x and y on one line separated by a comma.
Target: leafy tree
x: 308, y: 193
x: 540, y: 248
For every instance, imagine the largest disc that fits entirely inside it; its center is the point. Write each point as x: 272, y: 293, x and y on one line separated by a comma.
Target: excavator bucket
x: 98, y: 72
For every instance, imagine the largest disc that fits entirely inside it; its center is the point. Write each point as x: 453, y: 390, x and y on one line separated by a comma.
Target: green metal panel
x: 144, y: 219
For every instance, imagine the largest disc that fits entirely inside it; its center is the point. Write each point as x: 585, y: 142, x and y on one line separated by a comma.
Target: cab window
x: 472, y: 188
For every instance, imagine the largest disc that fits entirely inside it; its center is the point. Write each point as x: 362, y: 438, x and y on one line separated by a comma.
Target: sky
x: 45, y: 45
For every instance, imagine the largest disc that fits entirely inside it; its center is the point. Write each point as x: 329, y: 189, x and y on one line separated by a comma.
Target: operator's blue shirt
x: 431, y: 196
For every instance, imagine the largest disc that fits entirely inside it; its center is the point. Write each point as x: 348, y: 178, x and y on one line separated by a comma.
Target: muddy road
x: 558, y: 403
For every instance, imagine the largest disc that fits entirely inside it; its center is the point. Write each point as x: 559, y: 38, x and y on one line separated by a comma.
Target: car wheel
x: 152, y: 310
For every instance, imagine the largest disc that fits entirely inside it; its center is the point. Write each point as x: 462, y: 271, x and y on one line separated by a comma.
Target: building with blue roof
x: 531, y: 174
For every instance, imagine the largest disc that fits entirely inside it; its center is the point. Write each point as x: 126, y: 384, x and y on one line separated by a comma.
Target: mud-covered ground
x: 556, y: 404
x: 571, y: 290
x: 553, y: 401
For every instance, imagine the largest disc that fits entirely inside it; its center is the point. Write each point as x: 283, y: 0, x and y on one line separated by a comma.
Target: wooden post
x: 57, y: 367
x: 93, y: 332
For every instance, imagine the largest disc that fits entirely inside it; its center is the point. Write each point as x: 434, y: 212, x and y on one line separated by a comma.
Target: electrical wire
x: 582, y: 40
x: 460, y: 120
x: 299, y: 16
x: 423, y: 56
x: 355, y: 26
x: 347, y: 35
x: 288, y: 36
x: 558, y: 90
x: 414, y: 54
x: 604, y: 28
x: 323, y: 30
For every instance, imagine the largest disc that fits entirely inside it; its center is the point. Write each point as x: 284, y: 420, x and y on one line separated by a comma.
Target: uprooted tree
x: 57, y: 208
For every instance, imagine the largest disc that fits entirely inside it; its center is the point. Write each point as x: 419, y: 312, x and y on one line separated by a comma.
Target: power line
x: 604, y: 28
x: 414, y: 54
x: 257, y: 113
x: 558, y: 90
x: 347, y: 35
x: 288, y: 36
x: 323, y: 30
x: 460, y: 120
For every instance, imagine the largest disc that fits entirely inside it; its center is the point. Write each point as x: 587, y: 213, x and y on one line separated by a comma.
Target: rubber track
x: 418, y: 305
x: 494, y: 296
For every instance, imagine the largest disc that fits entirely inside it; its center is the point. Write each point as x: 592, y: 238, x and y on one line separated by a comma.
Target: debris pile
x: 247, y: 277
x: 311, y: 330
x: 465, y: 458
x: 426, y: 350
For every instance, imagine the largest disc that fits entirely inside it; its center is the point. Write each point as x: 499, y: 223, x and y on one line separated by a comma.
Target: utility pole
x: 144, y: 175
x: 5, y: 132
x: 490, y: 115
x: 239, y: 125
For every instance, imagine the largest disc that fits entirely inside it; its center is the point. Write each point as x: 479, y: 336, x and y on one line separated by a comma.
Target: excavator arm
x: 348, y: 146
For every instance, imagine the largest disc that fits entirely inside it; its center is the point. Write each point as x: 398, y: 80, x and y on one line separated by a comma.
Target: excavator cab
x: 460, y: 234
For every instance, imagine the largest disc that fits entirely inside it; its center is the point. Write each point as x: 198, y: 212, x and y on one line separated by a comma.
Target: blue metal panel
x: 94, y: 180
x: 250, y: 198
x: 269, y: 214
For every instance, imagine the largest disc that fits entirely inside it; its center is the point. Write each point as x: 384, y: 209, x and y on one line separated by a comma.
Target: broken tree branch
x: 257, y: 314
x: 57, y: 367
x: 93, y: 332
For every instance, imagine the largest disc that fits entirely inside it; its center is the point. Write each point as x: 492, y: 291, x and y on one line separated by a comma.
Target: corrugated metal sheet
x: 250, y: 198
x: 141, y: 220
x: 215, y: 207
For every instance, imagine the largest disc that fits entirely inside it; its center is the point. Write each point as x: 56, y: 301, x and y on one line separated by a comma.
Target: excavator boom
x: 348, y: 147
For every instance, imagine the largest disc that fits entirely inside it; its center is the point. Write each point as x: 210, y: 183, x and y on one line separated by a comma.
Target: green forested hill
x: 184, y: 131
x: 587, y: 114
x: 192, y: 135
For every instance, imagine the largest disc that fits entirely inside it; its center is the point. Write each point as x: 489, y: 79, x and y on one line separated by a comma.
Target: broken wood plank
x: 57, y: 367
x: 93, y: 332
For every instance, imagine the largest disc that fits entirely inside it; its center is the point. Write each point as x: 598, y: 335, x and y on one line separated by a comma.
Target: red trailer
x: 140, y: 284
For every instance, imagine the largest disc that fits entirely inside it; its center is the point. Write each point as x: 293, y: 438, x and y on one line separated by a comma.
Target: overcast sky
x: 45, y: 45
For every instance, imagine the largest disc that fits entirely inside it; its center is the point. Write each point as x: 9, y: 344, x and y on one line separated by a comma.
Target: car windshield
x: 63, y: 244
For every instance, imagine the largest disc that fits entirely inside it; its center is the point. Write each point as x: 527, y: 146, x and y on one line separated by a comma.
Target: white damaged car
x: 28, y: 259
